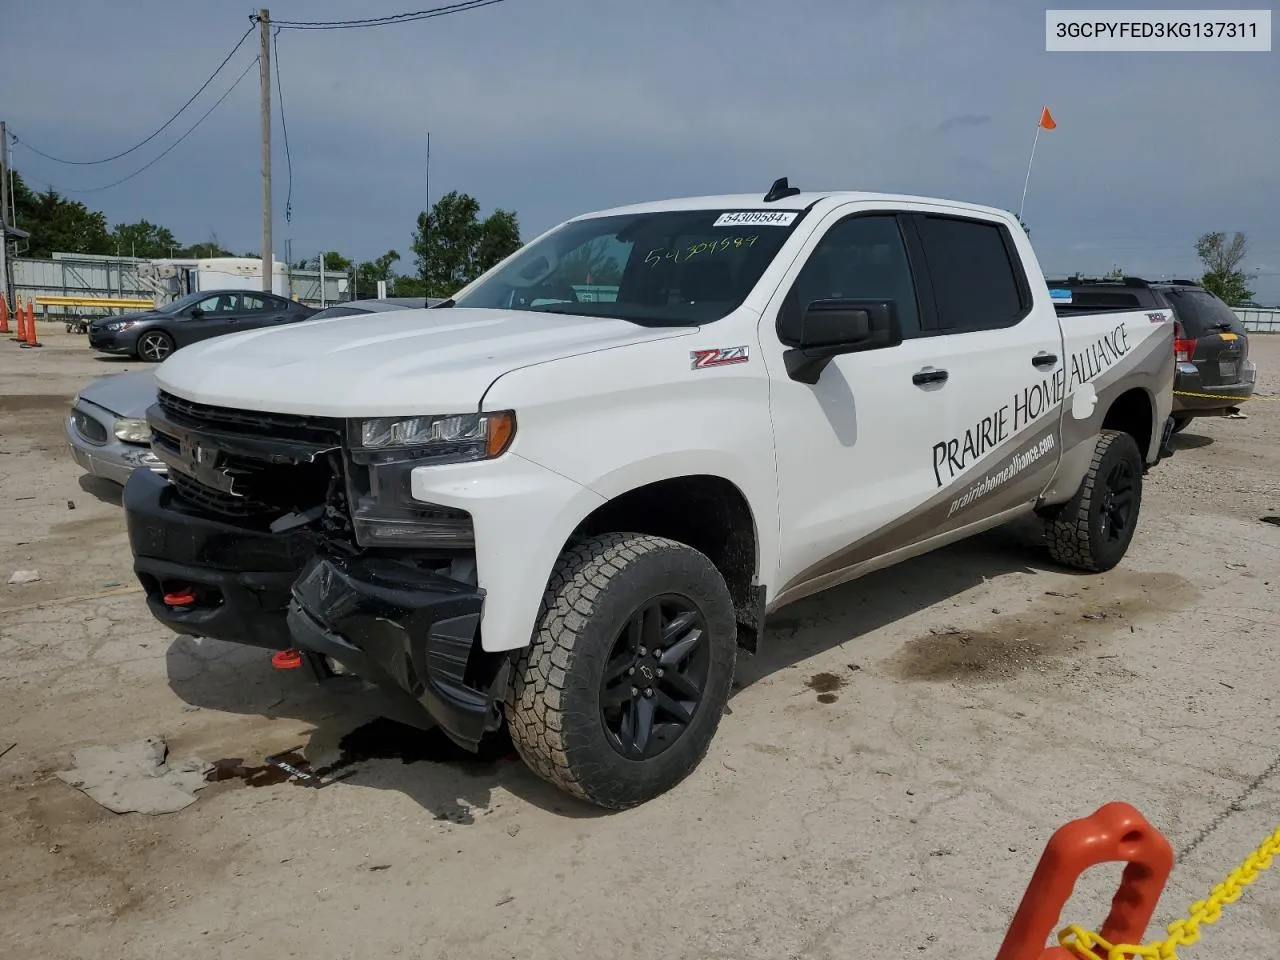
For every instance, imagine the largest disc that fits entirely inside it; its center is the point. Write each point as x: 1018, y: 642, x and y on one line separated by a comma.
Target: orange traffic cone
x: 31, y: 327
x: 4, y: 314
x: 20, y: 314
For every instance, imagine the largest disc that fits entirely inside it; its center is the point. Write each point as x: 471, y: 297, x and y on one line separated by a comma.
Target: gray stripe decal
x: 1023, y: 474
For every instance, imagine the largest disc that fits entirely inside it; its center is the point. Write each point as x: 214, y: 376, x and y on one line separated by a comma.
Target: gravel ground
x: 895, y: 759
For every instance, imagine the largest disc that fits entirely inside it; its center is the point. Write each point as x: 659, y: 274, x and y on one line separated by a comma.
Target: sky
x: 553, y: 108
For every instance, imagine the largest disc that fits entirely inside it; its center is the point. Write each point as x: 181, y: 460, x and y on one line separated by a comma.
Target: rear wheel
x: 1093, y: 530
x: 154, y: 346
x: 619, y: 695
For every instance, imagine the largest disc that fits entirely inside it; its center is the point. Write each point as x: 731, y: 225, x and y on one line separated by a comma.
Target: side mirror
x: 830, y: 328
x: 196, y: 313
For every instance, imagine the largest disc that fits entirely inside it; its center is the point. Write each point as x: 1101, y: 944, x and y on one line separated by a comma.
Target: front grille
x: 89, y: 428
x: 216, y: 501
x: 266, y: 483
x: 279, y: 426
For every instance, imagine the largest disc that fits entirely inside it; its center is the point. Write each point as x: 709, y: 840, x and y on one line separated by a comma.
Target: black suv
x: 1214, y: 374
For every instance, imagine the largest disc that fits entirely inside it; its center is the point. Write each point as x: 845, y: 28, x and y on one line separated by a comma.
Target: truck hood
x: 385, y: 364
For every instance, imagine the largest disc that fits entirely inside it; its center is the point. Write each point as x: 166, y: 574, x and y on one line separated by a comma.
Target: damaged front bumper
x: 410, y: 631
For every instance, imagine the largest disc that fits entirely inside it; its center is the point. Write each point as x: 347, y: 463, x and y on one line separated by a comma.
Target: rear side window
x: 978, y: 283
x: 1201, y: 313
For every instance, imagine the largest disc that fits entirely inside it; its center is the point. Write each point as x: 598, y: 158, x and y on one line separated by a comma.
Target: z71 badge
x: 718, y: 357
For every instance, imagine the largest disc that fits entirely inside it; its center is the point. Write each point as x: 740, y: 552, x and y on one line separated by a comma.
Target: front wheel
x: 154, y: 346
x: 621, y: 691
x: 1093, y: 530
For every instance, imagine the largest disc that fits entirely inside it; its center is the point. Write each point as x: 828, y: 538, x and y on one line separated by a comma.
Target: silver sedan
x: 107, y: 427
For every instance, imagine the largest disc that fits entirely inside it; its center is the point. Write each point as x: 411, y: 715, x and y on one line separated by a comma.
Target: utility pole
x: 264, y: 75
x: 4, y: 211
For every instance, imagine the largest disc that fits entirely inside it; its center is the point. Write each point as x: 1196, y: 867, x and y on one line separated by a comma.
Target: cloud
x: 555, y: 107
x: 964, y: 121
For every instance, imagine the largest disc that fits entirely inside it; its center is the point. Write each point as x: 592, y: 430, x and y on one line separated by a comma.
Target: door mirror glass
x: 195, y: 313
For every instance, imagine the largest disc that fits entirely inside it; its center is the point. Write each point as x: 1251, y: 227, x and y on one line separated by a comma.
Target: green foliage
x: 58, y: 224
x: 336, y: 262
x: 1222, y: 274
x: 452, y: 245
x: 370, y: 272
x: 143, y: 239
x: 1232, y: 287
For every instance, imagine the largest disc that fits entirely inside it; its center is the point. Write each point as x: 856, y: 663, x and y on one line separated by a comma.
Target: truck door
x: 1004, y: 364
x: 854, y: 449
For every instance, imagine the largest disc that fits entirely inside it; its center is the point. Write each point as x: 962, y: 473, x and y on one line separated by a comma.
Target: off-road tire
x: 553, y: 702
x: 1181, y: 423
x: 1074, y: 536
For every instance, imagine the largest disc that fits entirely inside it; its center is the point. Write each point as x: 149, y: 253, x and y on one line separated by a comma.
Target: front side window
x: 860, y: 258
x: 674, y: 268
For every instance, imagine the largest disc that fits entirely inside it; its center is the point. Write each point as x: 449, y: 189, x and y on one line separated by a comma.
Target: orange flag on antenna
x: 1046, y: 119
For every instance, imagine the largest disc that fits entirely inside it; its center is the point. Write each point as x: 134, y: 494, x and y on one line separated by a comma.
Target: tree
x: 1222, y: 274
x: 370, y: 272
x: 144, y: 239
x: 57, y: 224
x: 336, y: 262
x: 452, y: 246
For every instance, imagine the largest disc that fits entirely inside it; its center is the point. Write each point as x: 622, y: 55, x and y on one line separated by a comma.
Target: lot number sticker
x: 756, y: 218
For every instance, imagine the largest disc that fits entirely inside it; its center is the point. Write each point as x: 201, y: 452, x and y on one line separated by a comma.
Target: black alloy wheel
x: 655, y: 677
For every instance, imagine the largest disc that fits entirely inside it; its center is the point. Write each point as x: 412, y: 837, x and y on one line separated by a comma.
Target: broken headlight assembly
x: 384, y: 451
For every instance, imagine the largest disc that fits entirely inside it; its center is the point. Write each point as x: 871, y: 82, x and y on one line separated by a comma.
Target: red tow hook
x: 180, y: 598
x: 287, y: 659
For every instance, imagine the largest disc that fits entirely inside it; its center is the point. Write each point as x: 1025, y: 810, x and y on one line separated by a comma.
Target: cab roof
x: 799, y: 201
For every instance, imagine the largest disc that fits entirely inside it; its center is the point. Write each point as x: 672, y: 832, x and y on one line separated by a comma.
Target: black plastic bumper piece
x: 240, y: 576
x: 411, y: 632
x: 1166, y: 440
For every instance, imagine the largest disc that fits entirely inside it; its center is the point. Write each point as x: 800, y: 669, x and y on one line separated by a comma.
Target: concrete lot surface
x: 893, y: 764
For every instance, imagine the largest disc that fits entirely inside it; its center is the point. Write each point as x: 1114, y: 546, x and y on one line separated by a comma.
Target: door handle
x: 929, y: 376
x: 1044, y: 359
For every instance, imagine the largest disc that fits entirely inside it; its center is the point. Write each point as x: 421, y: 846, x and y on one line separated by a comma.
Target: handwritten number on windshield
x: 701, y: 248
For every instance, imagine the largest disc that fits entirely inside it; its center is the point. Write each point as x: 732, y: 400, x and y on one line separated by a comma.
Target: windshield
x: 181, y: 302
x: 675, y: 268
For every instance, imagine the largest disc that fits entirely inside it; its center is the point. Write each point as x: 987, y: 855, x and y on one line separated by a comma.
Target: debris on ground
x: 23, y: 576
x: 1271, y: 520
x: 135, y: 777
x: 6, y: 748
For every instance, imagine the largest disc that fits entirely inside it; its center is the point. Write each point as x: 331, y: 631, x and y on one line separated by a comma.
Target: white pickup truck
x: 565, y: 498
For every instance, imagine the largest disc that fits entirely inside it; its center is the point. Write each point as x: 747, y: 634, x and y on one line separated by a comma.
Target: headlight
x: 119, y: 325
x: 385, y: 451
x: 131, y: 430
x: 450, y: 438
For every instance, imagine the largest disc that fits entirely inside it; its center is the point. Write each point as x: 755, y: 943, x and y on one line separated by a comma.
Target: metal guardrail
x: 1259, y: 321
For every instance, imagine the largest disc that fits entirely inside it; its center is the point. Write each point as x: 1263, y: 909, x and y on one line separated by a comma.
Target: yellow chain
x: 1087, y: 945
x: 1222, y: 396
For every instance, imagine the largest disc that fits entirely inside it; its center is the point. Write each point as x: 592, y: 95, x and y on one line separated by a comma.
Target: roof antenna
x: 780, y: 190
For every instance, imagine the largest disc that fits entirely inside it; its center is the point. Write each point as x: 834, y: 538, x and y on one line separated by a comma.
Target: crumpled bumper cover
x: 410, y: 631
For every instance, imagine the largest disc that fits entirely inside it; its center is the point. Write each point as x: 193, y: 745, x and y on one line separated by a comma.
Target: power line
x: 288, y: 158
x: 190, y: 130
x: 384, y: 21
x: 163, y: 127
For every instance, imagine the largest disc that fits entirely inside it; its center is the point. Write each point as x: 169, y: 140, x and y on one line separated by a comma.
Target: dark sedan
x: 154, y: 334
